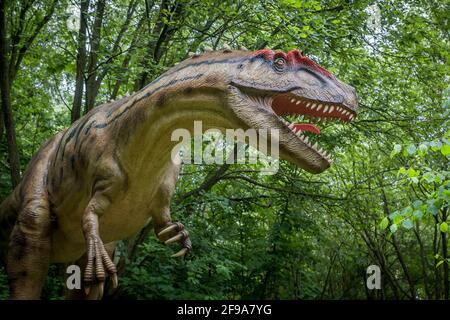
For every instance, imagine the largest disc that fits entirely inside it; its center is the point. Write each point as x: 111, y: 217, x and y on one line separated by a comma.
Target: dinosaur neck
x: 147, y: 129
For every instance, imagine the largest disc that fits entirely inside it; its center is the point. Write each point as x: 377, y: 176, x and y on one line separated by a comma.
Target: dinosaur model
x: 104, y: 177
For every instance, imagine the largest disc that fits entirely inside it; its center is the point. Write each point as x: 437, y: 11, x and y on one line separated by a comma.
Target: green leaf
x: 412, y: 173
x: 396, y: 150
x: 397, y: 219
x: 406, y: 211
x: 411, y: 149
x: 407, y: 224
x: 393, y: 228
x: 445, y: 149
x: 439, y: 263
x: 423, y: 147
x: 384, y: 223
x: 417, y: 204
x: 443, y: 227
x: 433, y: 210
x: 418, y: 214
x: 393, y: 215
x: 436, y: 145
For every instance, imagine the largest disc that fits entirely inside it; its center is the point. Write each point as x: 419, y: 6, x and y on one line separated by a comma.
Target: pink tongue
x: 307, y: 127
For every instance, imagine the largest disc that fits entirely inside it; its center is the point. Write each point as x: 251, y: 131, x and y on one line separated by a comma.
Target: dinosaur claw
x: 99, y: 265
x: 115, y: 280
x: 180, y: 253
x: 176, y: 238
x: 101, y: 287
x: 87, y: 290
x: 181, y: 235
x: 168, y: 229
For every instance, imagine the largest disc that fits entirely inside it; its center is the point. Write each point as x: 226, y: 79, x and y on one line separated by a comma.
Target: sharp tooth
x: 298, y: 102
x: 351, y: 117
x: 313, y: 106
x: 291, y: 126
x: 339, y: 109
x: 305, y: 138
x: 325, y: 109
x: 319, y: 107
x: 308, y: 104
x: 315, y: 146
x: 331, y: 109
x: 292, y: 100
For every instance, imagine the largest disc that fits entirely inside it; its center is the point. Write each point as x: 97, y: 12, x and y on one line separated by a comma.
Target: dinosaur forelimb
x: 181, y: 235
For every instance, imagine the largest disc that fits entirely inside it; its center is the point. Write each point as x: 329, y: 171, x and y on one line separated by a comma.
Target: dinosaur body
x: 103, y: 178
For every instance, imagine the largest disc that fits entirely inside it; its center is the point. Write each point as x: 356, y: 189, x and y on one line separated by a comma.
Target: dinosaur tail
x: 8, y: 216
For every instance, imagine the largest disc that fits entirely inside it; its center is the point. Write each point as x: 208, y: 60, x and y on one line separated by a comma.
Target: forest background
x: 293, y: 235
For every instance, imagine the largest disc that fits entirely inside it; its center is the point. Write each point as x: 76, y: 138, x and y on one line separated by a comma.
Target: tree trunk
x: 437, y: 271
x: 127, y: 59
x: 92, y: 84
x: 445, y: 256
x: 5, y: 86
x: 141, y: 81
x: 423, y: 262
x: 81, y: 62
x: 412, y: 290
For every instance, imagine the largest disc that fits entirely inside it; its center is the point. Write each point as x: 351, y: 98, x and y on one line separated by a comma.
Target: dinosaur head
x: 292, y: 93
x: 284, y: 91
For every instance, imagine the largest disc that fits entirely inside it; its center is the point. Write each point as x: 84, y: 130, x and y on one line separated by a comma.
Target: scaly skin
x: 103, y: 178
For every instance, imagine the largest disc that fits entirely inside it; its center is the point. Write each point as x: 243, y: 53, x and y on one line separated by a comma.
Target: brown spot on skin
x: 72, y: 162
x: 53, y: 221
x: 18, y: 245
x: 160, y: 99
x: 211, y: 79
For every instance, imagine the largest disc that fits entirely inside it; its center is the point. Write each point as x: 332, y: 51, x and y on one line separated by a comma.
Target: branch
x: 24, y: 48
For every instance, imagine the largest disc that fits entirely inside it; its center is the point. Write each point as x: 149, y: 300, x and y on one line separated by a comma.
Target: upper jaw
x: 336, y: 109
x: 294, y: 144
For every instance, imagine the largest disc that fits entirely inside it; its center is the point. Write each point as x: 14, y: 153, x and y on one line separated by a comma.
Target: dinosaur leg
x: 95, y: 288
x: 99, y: 263
x: 29, y: 250
x: 167, y: 231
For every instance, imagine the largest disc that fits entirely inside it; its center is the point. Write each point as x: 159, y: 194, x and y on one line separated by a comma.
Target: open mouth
x: 303, y: 117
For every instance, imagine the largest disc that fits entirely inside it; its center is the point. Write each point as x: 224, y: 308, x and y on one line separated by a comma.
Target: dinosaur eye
x: 279, y: 64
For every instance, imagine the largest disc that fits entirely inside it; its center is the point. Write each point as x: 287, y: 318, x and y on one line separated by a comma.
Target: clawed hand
x: 176, y: 233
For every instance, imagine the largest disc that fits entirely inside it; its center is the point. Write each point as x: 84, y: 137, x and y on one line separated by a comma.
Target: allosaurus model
x: 104, y: 177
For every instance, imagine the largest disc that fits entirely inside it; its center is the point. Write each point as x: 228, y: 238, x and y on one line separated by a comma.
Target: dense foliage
x: 293, y: 235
